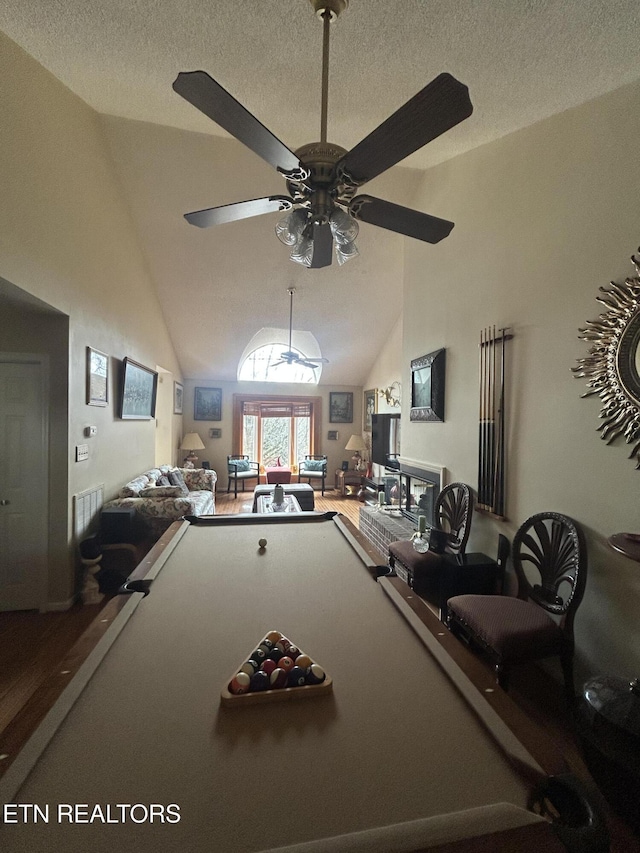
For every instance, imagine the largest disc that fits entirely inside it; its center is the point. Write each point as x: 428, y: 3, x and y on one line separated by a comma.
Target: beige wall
x: 66, y: 237
x: 544, y: 217
x: 217, y: 449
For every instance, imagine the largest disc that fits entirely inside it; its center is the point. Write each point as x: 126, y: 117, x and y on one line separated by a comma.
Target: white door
x: 164, y: 418
x: 23, y: 484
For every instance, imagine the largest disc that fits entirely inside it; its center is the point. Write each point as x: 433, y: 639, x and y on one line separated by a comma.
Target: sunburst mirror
x: 612, y: 367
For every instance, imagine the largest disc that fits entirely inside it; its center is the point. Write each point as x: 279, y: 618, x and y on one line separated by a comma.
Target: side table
x: 348, y: 483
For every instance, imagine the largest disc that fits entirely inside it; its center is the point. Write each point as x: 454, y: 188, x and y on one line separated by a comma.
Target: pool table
x: 406, y: 752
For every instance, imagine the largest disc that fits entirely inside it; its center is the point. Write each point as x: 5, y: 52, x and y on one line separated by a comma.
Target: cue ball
x: 240, y: 683
x: 262, y: 543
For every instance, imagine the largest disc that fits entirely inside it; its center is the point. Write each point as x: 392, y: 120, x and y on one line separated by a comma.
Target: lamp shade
x: 192, y: 441
x: 356, y: 442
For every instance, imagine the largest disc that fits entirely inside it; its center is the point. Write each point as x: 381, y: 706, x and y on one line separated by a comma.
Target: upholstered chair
x: 240, y: 468
x: 550, y: 561
x: 313, y: 468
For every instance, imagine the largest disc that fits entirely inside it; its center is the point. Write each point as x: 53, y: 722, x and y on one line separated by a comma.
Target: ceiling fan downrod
x: 328, y: 11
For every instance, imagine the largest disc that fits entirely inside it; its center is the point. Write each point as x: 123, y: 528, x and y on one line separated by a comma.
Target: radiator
x: 86, y: 511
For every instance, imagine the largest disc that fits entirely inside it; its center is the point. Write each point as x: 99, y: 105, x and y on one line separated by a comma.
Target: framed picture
x: 139, y: 389
x: 370, y: 407
x: 97, y: 378
x: 207, y: 404
x: 178, y: 392
x: 340, y: 407
x: 427, y: 387
x: 215, y: 432
x: 332, y: 435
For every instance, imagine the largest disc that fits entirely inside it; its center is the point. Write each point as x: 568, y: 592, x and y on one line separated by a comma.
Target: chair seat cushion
x: 513, y: 628
x: 419, y: 563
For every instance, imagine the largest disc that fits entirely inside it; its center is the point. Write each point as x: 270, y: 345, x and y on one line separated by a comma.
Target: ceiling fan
x: 322, y: 178
x: 292, y: 357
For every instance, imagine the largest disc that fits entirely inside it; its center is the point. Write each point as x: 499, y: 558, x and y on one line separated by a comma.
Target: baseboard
x: 59, y: 606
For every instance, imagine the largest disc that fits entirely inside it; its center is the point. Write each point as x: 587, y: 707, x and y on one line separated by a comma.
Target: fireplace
x: 419, y: 487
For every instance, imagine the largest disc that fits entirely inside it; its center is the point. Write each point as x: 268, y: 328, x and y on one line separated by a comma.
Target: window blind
x: 277, y: 410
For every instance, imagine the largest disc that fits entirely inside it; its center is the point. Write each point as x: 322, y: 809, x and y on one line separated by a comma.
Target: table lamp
x: 357, y: 443
x: 191, y: 442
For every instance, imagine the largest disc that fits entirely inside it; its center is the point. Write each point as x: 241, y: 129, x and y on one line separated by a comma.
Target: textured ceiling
x: 522, y: 61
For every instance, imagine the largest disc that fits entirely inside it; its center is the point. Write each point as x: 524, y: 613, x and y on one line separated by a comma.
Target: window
x: 273, y: 431
x: 265, y: 364
x: 270, y: 428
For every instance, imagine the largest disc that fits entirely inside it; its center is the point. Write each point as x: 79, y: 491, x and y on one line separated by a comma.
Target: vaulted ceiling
x: 522, y: 62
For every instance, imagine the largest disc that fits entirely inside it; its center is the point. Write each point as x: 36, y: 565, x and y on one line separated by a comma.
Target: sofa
x: 162, y: 495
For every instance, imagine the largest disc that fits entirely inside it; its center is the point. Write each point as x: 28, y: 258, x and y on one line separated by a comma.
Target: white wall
x: 544, y: 217
x: 66, y: 237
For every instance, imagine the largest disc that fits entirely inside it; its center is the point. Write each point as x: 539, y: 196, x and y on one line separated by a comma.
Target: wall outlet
x: 82, y: 452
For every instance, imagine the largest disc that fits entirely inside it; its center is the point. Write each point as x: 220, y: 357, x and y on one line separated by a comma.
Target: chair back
x: 318, y: 457
x: 453, y: 514
x: 551, y: 547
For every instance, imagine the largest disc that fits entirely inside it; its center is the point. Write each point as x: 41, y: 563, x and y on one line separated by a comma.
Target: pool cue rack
x: 492, y: 435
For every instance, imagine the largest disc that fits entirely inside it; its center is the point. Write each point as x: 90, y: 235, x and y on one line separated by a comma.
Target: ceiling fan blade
x: 322, y: 246
x: 403, y: 220
x: 438, y: 107
x: 305, y: 363
x: 210, y: 98
x: 238, y: 210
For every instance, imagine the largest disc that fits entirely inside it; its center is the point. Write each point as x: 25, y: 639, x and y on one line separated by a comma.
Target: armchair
x: 240, y: 468
x: 313, y: 467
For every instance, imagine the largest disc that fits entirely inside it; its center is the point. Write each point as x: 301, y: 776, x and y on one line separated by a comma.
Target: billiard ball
x: 273, y: 636
x: 250, y: 667
x: 259, y: 681
x: 275, y: 654
x: 285, y: 663
x: 303, y: 661
x: 259, y: 654
x: 293, y: 652
x: 315, y: 674
x: 266, y: 648
x: 279, y: 678
x: 296, y: 677
x: 240, y: 683
x: 268, y: 666
x: 283, y: 644
x: 262, y: 543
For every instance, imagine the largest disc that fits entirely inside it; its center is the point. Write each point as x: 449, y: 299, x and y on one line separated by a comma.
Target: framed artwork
x: 207, y: 404
x: 139, y: 389
x: 178, y: 392
x: 370, y: 408
x: 332, y: 435
x: 215, y: 432
x: 340, y: 407
x: 427, y: 387
x: 97, y: 377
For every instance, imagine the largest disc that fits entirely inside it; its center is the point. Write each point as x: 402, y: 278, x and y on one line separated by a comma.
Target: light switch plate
x: 82, y: 452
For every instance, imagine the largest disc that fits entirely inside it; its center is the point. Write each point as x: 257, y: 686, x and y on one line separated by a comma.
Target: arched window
x: 262, y: 359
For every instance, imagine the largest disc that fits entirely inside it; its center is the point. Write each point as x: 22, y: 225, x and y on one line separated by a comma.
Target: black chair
x: 453, y: 513
x: 313, y: 467
x: 538, y: 623
x: 240, y: 468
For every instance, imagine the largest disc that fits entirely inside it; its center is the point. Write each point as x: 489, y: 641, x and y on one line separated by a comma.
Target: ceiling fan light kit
x: 322, y: 178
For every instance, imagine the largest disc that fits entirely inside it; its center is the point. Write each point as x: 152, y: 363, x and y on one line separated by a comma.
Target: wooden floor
x: 32, y: 644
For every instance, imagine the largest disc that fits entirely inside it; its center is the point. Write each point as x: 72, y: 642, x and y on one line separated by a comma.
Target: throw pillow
x: 239, y: 465
x: 162, y: 492
x: 176, y: 479
x: 314, y: 464
x: 163, y: 480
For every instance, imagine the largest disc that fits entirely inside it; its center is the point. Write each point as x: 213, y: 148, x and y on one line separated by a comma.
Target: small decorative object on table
x: 420, y: 541
x: 278, y: 495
